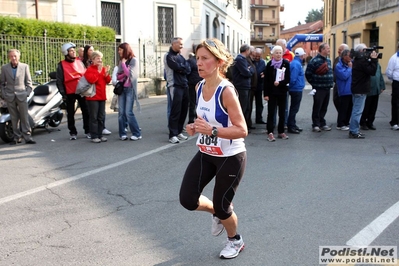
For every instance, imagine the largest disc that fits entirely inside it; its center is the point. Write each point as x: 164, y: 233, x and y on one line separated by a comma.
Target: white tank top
x: 214, y: 113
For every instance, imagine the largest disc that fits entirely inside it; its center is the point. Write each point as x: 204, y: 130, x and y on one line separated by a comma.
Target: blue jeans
x: 296, y: 97
x: 126, y: 115
x: 357, y: 110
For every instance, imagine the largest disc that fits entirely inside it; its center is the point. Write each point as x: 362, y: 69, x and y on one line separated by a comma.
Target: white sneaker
x: 345, y: 128
x: 232, y: 248
x: 123, y: 137
x: 103, y: 139
x: 217, y: 226
x: 182, y: 137
x: 88, y: 136
x: 135, y: 138
x: 106, y: 132
x: 73, y: 137
x: 395, y: 127
x: 96, y: 140
x: 174, y: 140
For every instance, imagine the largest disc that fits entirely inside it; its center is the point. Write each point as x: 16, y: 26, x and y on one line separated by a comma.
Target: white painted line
x: 80, y: 176
x: 366, y: 236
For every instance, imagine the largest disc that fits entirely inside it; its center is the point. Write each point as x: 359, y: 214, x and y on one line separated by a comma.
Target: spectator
x: 297, y: 84
x: 363, y: 68
x: 193, y: 79
x: 377, y: 85
x: 277, y: 77
x: 254, y: 82
x: 260, y: 65
x: 128, y: 73
x: 242, y: 73
x: 69, y: 71
x: 177, y: 70
x: 16, y: 85
x: 392, y: 73
x: 80, y: 53
x: 343, y: 77
x: 335, y: 89
x: 99, y: 75
x: 319, y: 74
x: 87, y: 51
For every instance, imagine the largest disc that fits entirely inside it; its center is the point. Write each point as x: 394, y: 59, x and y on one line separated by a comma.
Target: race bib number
x: 209, y: 145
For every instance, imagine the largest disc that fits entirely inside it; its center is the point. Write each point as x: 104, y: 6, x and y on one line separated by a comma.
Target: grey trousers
x: 19, y: 116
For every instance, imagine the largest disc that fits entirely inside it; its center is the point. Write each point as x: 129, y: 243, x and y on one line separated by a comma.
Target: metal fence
x: 43, y: 53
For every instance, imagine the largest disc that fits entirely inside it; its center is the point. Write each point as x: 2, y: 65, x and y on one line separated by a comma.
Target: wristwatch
x: 214, y: 132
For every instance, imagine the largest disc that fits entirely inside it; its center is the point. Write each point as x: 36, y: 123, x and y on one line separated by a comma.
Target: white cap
x: 299, y: 51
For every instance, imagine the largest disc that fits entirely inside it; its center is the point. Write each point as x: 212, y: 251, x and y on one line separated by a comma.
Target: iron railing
x: 43, y: 53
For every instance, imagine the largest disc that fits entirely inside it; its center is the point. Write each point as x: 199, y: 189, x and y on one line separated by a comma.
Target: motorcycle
x: 43, y: 108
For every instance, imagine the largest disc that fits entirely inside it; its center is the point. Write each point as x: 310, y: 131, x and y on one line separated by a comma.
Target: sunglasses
x: 211, y: 43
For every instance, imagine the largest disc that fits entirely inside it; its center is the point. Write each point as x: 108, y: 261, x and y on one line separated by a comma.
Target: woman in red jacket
x: 97, y: 74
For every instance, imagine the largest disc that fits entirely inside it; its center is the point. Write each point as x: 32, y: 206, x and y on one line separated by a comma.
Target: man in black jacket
x: 364, y: 66
x: 242, y: 73
x: 193, y: 79
x: 177, y: 69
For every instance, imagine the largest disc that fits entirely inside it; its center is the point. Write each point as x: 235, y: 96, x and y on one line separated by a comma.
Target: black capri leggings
x: 201, y: 170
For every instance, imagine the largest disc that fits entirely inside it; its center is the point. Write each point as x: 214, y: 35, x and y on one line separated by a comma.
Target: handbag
x: 118, y: 89
x: 84, y: 88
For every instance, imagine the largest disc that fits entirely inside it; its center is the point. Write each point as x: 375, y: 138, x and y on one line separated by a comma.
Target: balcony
x: 263, y: 38
x: 266, y: 22
x: 361, y: 8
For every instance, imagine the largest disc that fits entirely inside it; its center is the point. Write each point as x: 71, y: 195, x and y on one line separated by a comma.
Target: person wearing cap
x: 297, y: 83
x: 69, y: 71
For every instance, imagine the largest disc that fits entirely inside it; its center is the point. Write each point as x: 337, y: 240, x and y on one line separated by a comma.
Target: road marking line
x: 80, y: 176
x: 375, y: 228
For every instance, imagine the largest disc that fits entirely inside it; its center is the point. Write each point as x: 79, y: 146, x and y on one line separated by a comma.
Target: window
x: 260, y: 15
x: 260, y: 33
x: 273, y: 13
x: 165, y: 25
x: 215, y: 27
x: 222, y: 33
x: 111, y: 16
x: 207, y: 26
x: 228, y: 37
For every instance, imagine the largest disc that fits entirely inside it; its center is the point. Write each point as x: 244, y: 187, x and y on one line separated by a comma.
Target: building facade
x: 148, y: 25
x: 373, y: 22
x: 265, y: 23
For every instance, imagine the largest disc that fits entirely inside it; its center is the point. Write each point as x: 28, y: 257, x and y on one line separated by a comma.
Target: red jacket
x: 100, y: 79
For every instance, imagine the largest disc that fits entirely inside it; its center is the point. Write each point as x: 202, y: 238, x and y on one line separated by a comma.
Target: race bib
x: 209, y: 145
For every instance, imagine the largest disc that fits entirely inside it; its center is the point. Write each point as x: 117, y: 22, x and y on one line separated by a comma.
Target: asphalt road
x: 68, y: 202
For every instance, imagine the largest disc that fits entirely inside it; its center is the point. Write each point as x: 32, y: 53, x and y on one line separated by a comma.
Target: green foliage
x: 43, y: 52
x: 315, y: 15
x: 34, y: 27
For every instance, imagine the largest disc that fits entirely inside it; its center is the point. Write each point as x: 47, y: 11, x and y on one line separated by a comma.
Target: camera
x: 366, y: 52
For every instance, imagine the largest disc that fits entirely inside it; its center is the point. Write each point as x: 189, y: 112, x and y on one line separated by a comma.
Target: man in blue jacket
x: 297, y: 83
x: 242, y: 73
x: 176, y: 70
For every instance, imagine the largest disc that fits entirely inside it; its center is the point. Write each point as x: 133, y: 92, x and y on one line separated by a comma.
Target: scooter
x: 43, y: 107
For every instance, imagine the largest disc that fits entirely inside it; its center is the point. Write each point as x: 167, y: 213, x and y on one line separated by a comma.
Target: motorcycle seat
x: 43, y: 94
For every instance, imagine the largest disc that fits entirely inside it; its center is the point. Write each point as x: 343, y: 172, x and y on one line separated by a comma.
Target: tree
x: 315, y: 15
x: 299, y: 23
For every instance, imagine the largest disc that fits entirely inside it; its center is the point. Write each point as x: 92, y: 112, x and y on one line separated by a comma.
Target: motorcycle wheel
x: 6, y: 132
x: 56, y: 119
x: 54, y: 123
